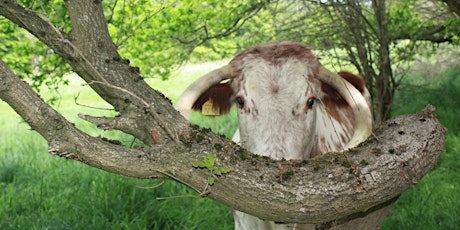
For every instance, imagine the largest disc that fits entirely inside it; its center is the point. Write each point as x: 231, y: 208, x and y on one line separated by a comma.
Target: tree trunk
x: 328, y: 190
x: 359, y: 48
x: 383, y: 81
x: 355, y: 29
x: 454, y: 6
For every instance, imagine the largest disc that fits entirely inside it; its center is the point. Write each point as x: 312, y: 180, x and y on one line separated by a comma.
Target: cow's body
x: 289, y: 107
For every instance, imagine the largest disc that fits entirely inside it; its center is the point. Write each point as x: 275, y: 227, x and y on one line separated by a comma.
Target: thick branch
x: 92, y: 54
x: 454, y: 6
x: 331, y: 187
x: 63, y: 138
x: 431, y: 34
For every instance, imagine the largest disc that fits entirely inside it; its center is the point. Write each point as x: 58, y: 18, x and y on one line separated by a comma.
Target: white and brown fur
x: 284, y: 110
x: 276, y: 82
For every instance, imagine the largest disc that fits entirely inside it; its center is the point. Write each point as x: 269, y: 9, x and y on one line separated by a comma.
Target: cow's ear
x: 355, y: 80
x: 215, y: 101
x: 332, y: 99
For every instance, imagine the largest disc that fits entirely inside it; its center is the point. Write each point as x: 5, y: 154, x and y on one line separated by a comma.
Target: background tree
x: 171, y: 30
x: 379, y: 38
x: 453, y: 5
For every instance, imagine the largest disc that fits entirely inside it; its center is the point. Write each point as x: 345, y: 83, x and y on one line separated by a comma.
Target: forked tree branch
x: 90, y: 51
x: 326, y: 188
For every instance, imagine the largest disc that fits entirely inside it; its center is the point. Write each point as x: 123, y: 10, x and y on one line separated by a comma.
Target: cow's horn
x: 357, y: 102
x: 185, y: 102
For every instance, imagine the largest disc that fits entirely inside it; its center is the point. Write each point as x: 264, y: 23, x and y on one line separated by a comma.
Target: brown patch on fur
x: 356, y: 81
x: 220, y: 94
x: 274, y: 89
x: 334, y: 101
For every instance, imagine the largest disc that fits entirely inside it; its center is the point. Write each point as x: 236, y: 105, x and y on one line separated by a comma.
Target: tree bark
x: 360, y: 33
x: 383, y: 80
x: 358, y: 45
x: 329, y: 189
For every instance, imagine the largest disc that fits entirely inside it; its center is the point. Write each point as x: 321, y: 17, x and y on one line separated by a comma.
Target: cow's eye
x: 310, y: 102
x: 240, y: 102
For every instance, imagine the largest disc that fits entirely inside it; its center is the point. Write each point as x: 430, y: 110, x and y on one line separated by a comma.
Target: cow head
x: 289, y: 105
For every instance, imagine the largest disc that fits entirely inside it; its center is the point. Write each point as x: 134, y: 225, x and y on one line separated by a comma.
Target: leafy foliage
x: 434, y: 202
x: 159, y: 36
x: 32, y: 60
x: 209, y: 163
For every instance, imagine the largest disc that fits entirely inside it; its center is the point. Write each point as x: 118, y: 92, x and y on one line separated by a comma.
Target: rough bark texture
x: 385, y: 88
x: 330, y: 189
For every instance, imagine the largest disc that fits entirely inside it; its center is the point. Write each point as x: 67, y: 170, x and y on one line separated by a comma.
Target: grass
x: 434, y: 203
x: 40, y: 191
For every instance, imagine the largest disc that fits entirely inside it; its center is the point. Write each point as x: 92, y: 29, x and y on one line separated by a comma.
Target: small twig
x: 152, y: 187
x: 120, y: 41
x: 375, y: 136
x: 147, y: 105
x: 205, y: 191
x: 112, y: 10
x: 75, y: 98
x: 175, y: 197
x: 120, y: 28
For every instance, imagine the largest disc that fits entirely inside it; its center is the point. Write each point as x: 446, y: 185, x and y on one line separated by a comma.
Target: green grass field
x: 40, y: 191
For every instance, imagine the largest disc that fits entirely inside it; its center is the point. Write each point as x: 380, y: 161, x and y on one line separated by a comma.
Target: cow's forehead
x: 276, y: 72
x: 276, y: 52
x: 292, y: 76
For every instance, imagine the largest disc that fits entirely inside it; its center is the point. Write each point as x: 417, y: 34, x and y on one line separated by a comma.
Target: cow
x: 289, y: 107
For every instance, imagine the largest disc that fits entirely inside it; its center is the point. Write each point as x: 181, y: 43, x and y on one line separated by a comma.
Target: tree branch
x: 64, y: 138
x: 431, y: 34
x: 404, y: 150
x: 454, y: 6
x: 237, y: 24
x: 92, y: 54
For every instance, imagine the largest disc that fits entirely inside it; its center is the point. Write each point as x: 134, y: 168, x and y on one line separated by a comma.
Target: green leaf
x: 209, y: 161
x: 199, y: 164
x: 211, y: 180
x: 219, y: 170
